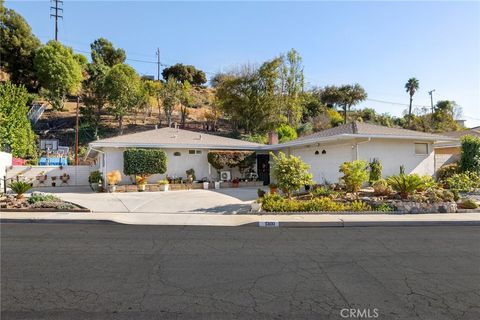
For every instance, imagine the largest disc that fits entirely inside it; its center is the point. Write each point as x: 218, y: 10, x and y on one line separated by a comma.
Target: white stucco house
x: 324, y: 151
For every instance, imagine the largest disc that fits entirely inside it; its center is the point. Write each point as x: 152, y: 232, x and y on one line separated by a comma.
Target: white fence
x: 78, y: 174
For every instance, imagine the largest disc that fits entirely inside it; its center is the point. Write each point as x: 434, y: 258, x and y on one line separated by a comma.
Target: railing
x: 35, y: 112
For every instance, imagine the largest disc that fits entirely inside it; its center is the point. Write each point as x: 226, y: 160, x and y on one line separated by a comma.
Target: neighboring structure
x: 324, y: 151
x: 5, y: 162
x: 449, y: 151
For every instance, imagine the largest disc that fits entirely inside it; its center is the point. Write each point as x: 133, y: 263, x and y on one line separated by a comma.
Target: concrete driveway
x: 223, y: 201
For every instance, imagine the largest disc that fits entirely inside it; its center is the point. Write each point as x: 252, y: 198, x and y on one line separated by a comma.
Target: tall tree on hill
x: 411, y: 87
x: 185, y: 102
x: 292, y: 82
x: 104, y: 52
x: 17, y: 49
x: 124, y: 92
x: 59, y: 72
x: 184, y: 73
x: 170, y: 94
x: 343, y: 97
x: 16, y: 134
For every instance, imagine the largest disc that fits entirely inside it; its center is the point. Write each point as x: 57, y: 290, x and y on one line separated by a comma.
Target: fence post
x: 5, y: 184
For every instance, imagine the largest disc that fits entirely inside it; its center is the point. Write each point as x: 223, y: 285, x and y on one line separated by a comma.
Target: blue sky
x: 377, y: 44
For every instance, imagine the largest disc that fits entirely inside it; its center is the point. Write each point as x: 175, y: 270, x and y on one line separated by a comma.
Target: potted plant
x: 206, y: 184
x: 41, y: 178
x: 54, y: 179
x: 113, y: 177
x: 141, y: 182
x: 95, y: 179
x: 273, y: 188
x: 190, y: 175
x: 235, y: 183
x: 65, y: 177
x: 163, y: 185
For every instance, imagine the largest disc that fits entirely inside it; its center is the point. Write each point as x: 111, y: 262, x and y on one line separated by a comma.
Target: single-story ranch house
x: 324, y: 151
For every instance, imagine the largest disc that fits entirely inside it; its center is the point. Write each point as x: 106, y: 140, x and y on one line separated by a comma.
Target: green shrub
x: 65, y: 206
x: 354, y: 174
x: 322, y: 191
x: 464, y: 182
x: 286, y: 133
x: 375, y: 170
x: 144, y: 162
x: 276, y: 203
x: 470, y: 154
x: 228, y: 159
x: 447, y: 171
x: 468, y: 204
x: 20, y: 187
x: 384, y: 207
x: 95, y: 177
x: 42, y: 197
x: 358, y: 205
x: 290, y: 173
x: 406, y: 185
x: 381, y: 188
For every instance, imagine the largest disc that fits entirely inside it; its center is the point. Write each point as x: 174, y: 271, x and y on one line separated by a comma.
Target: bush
x: 95, y: 177
x: 322, y: 191
x: 381, y: 188
x: 358, y: 205
x: 114, y: 177
x: 354, y: 174
x: 276, y: 203
x: 286, y: 133
x: 406, y: 185
x: 228, y: 159
x: 470, y: 154
x: 144, y: 162
x: 290, y: 173
x: 375, y: 170
x: 447, y: 171
x: 260, y: 192
x: 384, y: 207
x: 65, y: 206
x: 464, y: 182
x: 468, y: 204
x: 20, y: 187
x: 43, y: 197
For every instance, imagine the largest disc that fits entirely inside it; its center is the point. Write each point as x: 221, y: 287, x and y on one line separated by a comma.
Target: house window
x: 194, y: 151
x: 177, y: 154
x: 421, y: 148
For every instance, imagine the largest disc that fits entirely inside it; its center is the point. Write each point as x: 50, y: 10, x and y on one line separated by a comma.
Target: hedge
x: 470, y: 154
x: 230, y: 159
x: 144, y: 162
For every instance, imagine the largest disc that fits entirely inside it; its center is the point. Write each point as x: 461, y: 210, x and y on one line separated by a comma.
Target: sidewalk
x: 195, y: 219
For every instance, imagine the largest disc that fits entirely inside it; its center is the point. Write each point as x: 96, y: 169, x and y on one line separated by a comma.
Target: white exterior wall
x: 78, y: 174
x: 176, y: 165
x: 391, y: 153
x: 5, y: 162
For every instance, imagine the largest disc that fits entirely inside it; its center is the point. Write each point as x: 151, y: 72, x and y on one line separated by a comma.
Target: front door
x: 263, y: 168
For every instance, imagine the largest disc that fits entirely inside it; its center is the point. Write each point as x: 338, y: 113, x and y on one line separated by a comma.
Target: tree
x: 94, y: 95
x: 185, y: 102
x: 184, y: 73
x: 123, y: 87
x: 171, y: 95
x: 470, y: 154
x: 343, y: 97
x: 153, y: 90
x: 443, y: 116
x: 290, y: 173
x: 18, y: 47
x: 104, y: 52
x: 59, y: 72
x: 292, y: 82
x: 16, y: 134
x: 411, y: 87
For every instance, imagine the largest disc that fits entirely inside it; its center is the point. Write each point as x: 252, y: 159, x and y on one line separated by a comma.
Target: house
x: 324, y: 151
x: 449, y: 151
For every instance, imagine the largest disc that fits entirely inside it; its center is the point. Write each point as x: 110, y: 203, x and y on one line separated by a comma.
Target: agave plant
x: 406, y: 184
x: 20, y: 187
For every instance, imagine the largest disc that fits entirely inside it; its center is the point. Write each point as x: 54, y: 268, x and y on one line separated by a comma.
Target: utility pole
x: 57, y: 13
x: 158, y: 64
x: 431, y: 98
x: 76, y: 131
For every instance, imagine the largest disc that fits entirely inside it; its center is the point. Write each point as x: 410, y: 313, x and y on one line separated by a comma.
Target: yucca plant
x: 406, y: 184
x: 20, y: 187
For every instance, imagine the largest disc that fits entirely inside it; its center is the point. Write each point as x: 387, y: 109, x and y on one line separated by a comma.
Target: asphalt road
x: 75, y: 271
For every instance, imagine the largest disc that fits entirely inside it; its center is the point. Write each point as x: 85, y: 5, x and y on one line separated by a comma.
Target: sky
x: 379, y: 45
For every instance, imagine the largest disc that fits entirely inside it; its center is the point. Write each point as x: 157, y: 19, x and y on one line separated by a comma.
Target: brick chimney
x: 272, y: 137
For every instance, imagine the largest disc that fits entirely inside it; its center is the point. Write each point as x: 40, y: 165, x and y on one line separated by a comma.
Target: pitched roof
x: 361, y: 129
x: 174, y: 138
x: 456, y: 135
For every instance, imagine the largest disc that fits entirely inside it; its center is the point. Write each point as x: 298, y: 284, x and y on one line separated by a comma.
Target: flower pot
x: 217, y: 184
x: 95, y: 186
x: 141, y: 187
x: 112, y: 188
x: 205, y: 185
x: 273, y: 190
x: 164, y: 187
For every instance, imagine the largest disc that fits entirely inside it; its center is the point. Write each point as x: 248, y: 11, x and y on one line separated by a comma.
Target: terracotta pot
x: 273, y: 190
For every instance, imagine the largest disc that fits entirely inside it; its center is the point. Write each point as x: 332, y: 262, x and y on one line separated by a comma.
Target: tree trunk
x: 410, y: 110
x: 345, y: 114
x: 120, y: 125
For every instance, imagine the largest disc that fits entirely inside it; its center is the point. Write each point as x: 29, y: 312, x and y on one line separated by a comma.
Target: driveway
x: 223, y: 201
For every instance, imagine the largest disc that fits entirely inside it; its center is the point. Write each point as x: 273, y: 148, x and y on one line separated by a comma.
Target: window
x: 421, y: 148
x: 177, y: 154
x: 194, y: 151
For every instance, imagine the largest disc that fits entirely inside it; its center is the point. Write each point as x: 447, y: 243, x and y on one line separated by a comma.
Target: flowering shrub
x: 114, y: 177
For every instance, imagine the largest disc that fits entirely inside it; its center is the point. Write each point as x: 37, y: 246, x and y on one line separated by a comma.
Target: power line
x: 57, y: 13
x: 394, y: 103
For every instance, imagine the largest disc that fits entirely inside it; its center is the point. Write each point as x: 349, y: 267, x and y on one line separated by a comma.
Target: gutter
x: 356, y: 146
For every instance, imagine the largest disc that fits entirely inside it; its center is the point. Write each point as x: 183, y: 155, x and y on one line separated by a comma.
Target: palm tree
x: 411, y: 87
